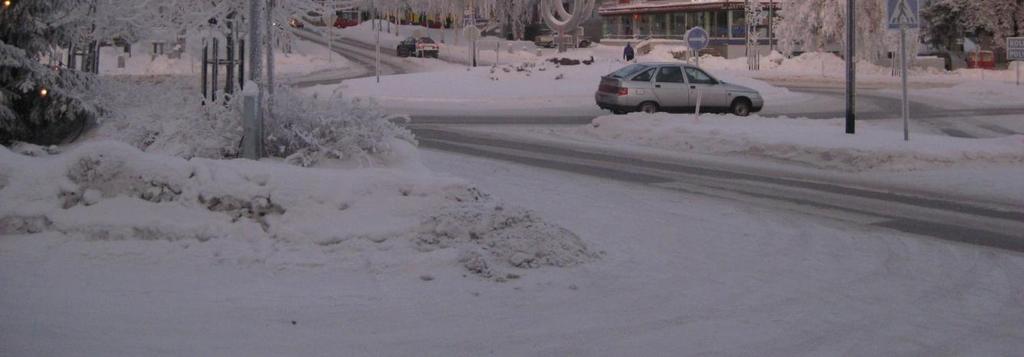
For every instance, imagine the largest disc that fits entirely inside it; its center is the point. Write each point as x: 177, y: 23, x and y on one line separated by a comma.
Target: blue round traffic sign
x: 697, y: 38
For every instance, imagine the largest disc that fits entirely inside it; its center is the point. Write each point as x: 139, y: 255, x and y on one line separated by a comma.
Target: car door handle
x: 657, y: 86
x: 693, y: 87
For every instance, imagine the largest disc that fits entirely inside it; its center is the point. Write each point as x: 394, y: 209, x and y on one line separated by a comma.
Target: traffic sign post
x: 1015, y: 52
x: 901, y: 15
x: 697, y: 39
x: 472, y: 34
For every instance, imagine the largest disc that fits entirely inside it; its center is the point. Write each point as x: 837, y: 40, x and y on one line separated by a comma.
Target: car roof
x: 684, y: 64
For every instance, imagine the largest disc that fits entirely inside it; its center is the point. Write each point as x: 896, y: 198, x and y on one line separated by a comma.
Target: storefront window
x: 627, y: 26
x: 739, y: 23
x: 719, y: 24
x: 644, y: 25
x: 679, y: 26
x: 657, y: 24
x: 611, y: 26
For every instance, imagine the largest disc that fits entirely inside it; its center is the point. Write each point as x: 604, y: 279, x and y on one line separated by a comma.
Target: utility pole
x: 377, y: 28
x: 851, y: 66
x: 771, y: 26
x: 270, y: 56
x: 252, y: 115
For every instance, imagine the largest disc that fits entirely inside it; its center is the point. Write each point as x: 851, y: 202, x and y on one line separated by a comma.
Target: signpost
x: 851, y: 66
x: 697, y: 39
x: 472, y: 34
x: 902, y: 14
x: 1015, y: 52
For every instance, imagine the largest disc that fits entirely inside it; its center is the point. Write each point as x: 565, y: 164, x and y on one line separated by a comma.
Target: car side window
x: 671, y: 74
x: 696, y: 76
x: 644, y: 76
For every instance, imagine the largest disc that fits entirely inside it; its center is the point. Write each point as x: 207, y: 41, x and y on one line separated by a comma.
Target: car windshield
x: 426, y: 40
x: 628, y: 71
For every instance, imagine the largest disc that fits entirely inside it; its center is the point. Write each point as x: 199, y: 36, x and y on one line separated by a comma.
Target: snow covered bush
x: 175, y: 120
x: 167, y: 115
x: 306, y: 130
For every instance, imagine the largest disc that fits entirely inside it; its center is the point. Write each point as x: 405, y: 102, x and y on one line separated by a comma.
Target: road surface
x: 952, y: 219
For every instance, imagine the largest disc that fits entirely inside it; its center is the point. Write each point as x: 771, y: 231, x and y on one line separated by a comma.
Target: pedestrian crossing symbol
x: 903, y: 12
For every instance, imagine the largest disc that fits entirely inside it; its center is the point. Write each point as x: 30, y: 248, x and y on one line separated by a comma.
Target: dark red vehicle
x: 346, y: 18
x: 981, y: 59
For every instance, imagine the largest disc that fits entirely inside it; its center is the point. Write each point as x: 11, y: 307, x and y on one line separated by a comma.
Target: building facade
x: 724, y: 20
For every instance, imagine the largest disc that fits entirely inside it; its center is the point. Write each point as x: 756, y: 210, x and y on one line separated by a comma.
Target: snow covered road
x: 961, y: 217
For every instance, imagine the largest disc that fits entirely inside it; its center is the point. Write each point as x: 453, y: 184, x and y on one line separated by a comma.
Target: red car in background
x: 346, y: 19
x: 981, y: 59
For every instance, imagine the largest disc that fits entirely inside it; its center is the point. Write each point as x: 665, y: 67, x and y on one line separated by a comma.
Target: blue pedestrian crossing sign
x: 903, y: 12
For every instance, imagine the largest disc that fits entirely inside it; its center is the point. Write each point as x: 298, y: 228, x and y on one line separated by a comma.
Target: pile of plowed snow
x: 113, y: 191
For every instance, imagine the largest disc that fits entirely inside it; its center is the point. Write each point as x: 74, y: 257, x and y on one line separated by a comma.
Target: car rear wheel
x: 741, y: 107
x: 649, y: 107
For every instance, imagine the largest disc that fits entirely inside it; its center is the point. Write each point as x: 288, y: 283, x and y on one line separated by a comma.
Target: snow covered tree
x: 40, y: 103
x: 991, y: 21
x: 812, y: 25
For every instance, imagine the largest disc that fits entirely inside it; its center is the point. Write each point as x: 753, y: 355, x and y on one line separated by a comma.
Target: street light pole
x: 851, y: 66
x: 377, y: 29
x: 252, y: 146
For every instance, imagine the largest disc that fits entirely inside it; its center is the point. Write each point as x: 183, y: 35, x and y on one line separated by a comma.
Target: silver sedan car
x: 673, y: 87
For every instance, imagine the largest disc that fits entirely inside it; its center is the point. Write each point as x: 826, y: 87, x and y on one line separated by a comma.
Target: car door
x: 670, y: 88
x: 641, y: 85
x: 713, y: 95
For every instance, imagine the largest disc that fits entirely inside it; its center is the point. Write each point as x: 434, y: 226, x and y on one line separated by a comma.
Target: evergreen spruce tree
x: 41, y: 103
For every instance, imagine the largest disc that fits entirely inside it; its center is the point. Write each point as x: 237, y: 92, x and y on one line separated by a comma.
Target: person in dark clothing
x: 628, y: 54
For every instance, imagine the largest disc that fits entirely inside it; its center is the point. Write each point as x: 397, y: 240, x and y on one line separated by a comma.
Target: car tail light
x: 623, y: 91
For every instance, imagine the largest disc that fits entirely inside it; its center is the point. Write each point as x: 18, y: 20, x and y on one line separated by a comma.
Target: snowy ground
x: 109, y: 250
x: 525, y: 80
x: 680, y: 274
x: 536, y: 84
x: 306, y: 58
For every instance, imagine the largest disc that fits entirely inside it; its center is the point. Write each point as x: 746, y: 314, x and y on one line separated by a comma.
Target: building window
x: 657, y: 25
x: 719, y: 24
x: 644, y: 25
x: 679, y: 26
x: 627, y: 26
x: 739, y: 24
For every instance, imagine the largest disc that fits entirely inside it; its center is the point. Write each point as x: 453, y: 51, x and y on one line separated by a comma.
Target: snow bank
x: 971, y: 94
x: 112, y: 191
x: 817, y: 143
x: 305, y: 57
x: 528, y: 84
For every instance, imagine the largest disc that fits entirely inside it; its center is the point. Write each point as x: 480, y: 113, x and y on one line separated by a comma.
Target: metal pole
x: 229, y: 81
x: 241, y: 64
x: 216, y: 69
x: 903, y: 73
x: 771, y: 28
x: 270, y: 56
x: 851, y: 66
x: 378, y: 28
x: 204, y: 74
x: 254, y: 117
